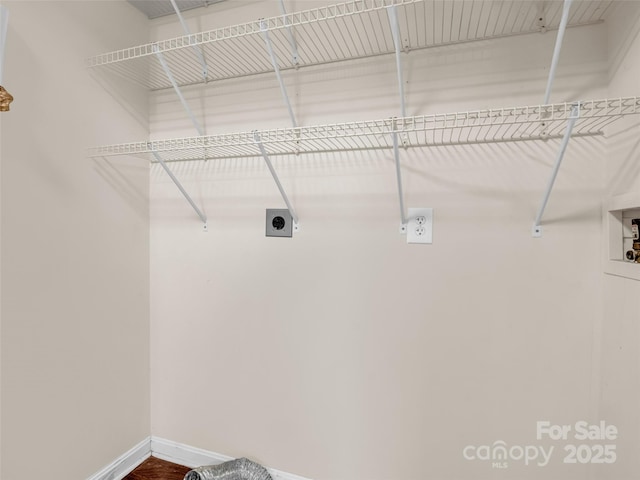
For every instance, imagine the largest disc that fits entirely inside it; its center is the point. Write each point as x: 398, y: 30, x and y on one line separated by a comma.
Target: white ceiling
x: 160, y: 8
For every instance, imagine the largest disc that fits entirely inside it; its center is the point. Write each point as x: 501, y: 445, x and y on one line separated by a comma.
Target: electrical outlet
x: 420, y: 225
x: 279, y: 223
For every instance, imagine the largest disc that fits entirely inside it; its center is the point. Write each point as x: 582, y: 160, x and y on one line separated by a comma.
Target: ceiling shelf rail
x: 345, y: 31
x: 479, y: 126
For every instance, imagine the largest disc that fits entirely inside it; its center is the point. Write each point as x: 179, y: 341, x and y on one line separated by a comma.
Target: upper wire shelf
x: 356, y: 29
x: 478, y: 126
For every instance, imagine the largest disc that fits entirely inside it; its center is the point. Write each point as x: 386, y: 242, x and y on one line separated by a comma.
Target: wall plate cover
x: 279, y: 223
x: 420, y: 225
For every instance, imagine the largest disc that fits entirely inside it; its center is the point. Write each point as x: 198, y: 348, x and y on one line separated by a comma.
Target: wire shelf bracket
x: 202, y: 216
x: 196, y: 124
x: 292, y: 40
x: 258, y: 141
x: 176, y: 88
x: 167, y: 71
x: 556, y: 51
x: 200, y: 132
x: 395, y: 30
x: 196, y: 48
x: 396, y: 154
x: 573, y: 118
x: 274, y: 61
x: 351, y: 30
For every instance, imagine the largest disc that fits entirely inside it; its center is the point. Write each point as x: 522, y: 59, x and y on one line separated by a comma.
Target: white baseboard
x: 184, y: 454
x: 172, y: 452
x: 125, y: 463
x: 195, y: 457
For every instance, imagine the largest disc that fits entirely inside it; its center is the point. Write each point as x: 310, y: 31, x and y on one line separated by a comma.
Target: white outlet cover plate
x: 420, y: 225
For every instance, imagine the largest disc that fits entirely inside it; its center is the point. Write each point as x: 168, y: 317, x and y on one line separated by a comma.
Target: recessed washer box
x: 279, y: 223
x: 618, y: 212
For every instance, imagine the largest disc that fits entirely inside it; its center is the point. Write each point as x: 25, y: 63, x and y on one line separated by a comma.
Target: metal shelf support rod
x: 395, y: 29
x: 258, y: 141
x: 180, y: 187
x: 185, y: 105
x: 4, y: 25
x: 198, y: 50
x: 396, y: 154
x: 556, y: 51
x: 575, y: 114
x: 274, y: 62
x: 292, y: 40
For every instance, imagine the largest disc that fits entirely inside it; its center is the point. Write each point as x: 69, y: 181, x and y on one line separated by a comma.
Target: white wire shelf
x: 356, y: 29
x: 480, y: 126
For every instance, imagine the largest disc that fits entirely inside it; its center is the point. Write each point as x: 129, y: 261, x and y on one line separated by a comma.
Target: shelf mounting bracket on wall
x: 157, y: 156
x: 573, y: 117
x: 263, y: 152
x: 292, y: 40
x: 556, y: 51
x: 197, y: 49
x: 276, y: 68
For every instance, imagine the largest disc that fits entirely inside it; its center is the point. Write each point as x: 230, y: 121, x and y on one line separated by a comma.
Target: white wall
x: 620, y: 336
x: 344, y: 353
x: 75, y: 232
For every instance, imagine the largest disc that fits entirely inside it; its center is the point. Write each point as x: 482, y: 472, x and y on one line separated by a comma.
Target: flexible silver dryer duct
x: 239, y: 469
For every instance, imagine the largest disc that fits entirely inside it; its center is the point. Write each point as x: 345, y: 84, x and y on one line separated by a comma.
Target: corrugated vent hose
x: 239, y: 469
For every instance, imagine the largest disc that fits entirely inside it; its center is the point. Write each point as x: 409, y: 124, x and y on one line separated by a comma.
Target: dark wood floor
x: 156, y: 469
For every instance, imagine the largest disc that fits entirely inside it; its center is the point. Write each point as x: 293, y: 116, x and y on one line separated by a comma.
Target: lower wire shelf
x: 479, y: 126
